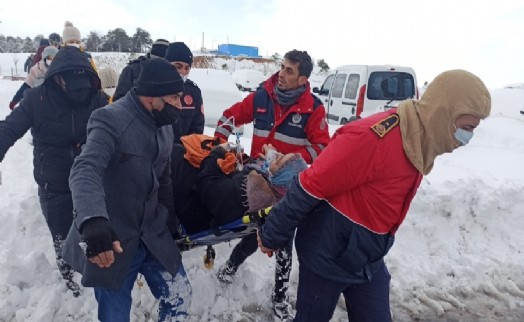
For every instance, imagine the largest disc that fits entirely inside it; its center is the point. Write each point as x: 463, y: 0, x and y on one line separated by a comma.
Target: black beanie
x: 44, y: 42
x: 159, y: 48
x: 158, y: 78
x: 178, y: 51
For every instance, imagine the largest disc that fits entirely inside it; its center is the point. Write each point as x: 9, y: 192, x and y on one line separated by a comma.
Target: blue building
x: 237, y: 50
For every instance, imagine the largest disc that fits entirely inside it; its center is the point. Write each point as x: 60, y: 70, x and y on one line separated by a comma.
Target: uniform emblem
x: 384, y: 126
x: 188, y: 99
x: 296, y: 118
x: 261, y: 110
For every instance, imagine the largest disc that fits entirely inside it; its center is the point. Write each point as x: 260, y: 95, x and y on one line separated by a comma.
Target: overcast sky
x: 486, y: 37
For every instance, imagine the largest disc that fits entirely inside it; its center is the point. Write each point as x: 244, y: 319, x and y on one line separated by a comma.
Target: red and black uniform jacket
x: 302, y: 128
x: 349, y: 203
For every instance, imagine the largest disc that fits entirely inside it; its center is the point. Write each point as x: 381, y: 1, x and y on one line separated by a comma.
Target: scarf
x: 289, y: 97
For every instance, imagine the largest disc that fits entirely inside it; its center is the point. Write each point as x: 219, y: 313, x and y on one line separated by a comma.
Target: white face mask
x: 184, y: 77
x: 47, y: 62
x: 73, y: 45
x: 463, y: 136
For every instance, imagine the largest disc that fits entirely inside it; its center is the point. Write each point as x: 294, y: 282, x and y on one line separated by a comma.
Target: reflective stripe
x: 223, y: 130
x: 312, y: 152
x: 261, y: 133
x: 321, y: 146
x: 291, y: 140
x: 223, y: 120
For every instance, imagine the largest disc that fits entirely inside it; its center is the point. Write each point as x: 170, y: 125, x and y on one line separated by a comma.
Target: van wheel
x: 343, y: 121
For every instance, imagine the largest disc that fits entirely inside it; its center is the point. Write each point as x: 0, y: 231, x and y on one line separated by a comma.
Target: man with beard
x: 57, y: 113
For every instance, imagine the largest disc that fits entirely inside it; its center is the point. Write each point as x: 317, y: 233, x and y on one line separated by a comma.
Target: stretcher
x: 238, y: 228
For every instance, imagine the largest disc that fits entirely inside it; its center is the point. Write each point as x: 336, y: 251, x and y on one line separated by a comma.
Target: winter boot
x: 66, y: 271
x: 226, y: 273
x: 283, y: 311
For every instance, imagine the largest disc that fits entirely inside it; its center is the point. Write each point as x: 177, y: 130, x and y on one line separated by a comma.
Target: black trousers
x: 284, y: 257
x: 317, y: 297
x: 57, y: 208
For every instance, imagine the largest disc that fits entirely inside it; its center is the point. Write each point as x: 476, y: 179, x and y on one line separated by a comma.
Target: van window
x: 396, y: 86
x: 324, y: 90
x: 352, y: 86
x: 338, y: 88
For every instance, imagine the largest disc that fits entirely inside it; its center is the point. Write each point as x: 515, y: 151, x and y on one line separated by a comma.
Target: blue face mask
x: 463, y: 136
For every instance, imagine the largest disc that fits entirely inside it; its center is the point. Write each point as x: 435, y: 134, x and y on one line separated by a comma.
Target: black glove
x: 98, y: 235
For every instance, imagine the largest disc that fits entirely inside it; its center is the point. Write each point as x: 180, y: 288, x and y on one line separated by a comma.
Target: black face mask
x: 80, y: 95
x: 167, y: 116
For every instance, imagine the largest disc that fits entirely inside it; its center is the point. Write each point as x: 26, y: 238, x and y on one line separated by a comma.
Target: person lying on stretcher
x: 209, y: 190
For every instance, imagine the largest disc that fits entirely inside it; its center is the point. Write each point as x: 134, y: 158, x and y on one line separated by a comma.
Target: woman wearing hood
x: 57, y: 113
x: 349, y: 204
x: 36, y: 74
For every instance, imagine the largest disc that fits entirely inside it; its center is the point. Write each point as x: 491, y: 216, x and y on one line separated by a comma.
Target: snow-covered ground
x: 457, y: 257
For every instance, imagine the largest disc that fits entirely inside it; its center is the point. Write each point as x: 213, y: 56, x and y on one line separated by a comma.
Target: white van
x: 354, y: 91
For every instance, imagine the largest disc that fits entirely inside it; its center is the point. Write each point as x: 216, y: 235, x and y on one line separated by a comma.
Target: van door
x: 386, y: 89
x: 334, y: 104
x: 324, y: 91
x: 349, y: 101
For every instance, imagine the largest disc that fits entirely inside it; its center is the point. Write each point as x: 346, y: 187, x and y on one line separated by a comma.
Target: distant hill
x: 13, y: 64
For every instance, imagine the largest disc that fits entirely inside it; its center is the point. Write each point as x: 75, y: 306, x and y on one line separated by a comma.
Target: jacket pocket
x: 261, y: 123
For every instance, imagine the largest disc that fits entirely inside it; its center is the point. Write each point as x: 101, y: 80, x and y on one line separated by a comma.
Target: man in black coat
x: 129, y: 75
x: 192, y: 117
x: 57, y: 113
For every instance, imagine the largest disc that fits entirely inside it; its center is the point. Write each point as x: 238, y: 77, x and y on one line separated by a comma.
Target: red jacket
x: 302, y: 128
x: 364, y: 176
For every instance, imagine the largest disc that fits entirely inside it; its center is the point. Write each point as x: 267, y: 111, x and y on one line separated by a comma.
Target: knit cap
x: 159, y: 48
x: 49, y: 51
x: 159, y: 78
x: 178, y: 51
x: 70, y: 33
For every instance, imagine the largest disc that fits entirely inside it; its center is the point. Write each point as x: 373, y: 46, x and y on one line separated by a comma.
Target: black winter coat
x: 191, y: 119
x: 223, y: 195
x: 129, y: 77
x: 58, y: 126
x: 205, y: 197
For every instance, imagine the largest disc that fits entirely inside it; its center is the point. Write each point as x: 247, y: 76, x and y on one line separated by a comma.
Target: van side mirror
x: 316, y: 90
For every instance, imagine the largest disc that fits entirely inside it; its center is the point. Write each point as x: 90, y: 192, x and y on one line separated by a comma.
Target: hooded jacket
x: 57, y: 125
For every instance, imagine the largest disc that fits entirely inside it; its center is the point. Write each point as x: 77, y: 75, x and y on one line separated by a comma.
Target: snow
x: 457, y: 257
x: 219, y: 92
x: 248, y: 78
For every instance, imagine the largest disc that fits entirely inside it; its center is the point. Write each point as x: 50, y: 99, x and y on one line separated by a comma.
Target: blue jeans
x: 174, y: 292
x: 317, y: 297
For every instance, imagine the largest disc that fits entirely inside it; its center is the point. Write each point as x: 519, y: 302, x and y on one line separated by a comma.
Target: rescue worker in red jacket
x: 288, y: 118
x: 283, y: 111
x: 350, y: 202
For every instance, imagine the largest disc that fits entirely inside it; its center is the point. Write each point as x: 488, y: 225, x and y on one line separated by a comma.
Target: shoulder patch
x: 383, y: 127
